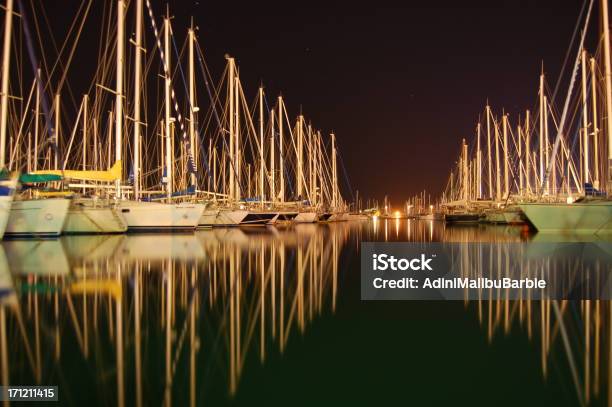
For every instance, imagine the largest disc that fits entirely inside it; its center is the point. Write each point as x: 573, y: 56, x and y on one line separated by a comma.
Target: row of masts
x: 236, y: 154
x: 510, y: 162
x: 549, y: 155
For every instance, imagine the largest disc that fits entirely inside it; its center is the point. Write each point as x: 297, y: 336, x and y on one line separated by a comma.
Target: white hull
x: 306, y: 217
x: 339, y: 217
x: 37, y: 217
x: 156, y: 217
x: 208, y: 218
x: 5, y: 211
x: 84, y: 217
x: 6, y: 202
x: 230, y: 217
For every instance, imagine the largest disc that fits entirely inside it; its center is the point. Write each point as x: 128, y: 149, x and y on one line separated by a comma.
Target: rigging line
x: 346, y: 177
x: 58, y: 62
x: 190, y: 161
x: 34, y: 63
x: 567, y: 54
x: 221, y: 129
x: 179, y: 69
x: 567, y: 99
x: 213, y: 103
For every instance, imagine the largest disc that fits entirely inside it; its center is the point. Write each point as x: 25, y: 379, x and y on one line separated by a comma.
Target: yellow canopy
x: 111, y: 175
x: 53, y: 194
x: 111, y: 287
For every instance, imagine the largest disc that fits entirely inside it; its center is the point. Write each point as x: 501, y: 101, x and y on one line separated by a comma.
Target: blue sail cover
x: 6, y: 191
x: 589, y: 190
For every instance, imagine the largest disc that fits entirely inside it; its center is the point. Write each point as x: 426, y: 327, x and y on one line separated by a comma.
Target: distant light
x: 397, y: 214
x: 570, y: 199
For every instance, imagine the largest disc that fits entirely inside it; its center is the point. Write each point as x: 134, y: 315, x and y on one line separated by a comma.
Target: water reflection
x: 177, y: 320
x: 155, y: 317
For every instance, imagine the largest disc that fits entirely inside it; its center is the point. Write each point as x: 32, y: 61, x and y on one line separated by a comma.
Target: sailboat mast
x: 519, y: 132
x: 58, y: 124
x: 85, y: 113
x: 318, y: 184
x: 137, y: 92
x: 167, y: 118
x: 119, y: 89
x: 231, y: 78
x: 478, y: 163
x: 36, y: 120
x: 6, y: 64
x: 585, y: 120
x: 464, y: 171
x: 595, y: 126
x: 506, y: 164
x: 608, y: 81
x: 488, y: 113
x: 310, y: 165
x: 237, y: 148
x: 280, y: 152
x: 192, y: 105
x: 272, y: 169
x: 334, y: 173
x: 261, y: 147
x: 497, y: 164
x: 300, y: 148
x: 299, y: 155
x: 542, y: 113
x: 547, y: 146
x: 527, y: 151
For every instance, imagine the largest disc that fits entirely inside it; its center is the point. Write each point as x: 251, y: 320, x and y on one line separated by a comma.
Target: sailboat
x: 28, y: 217
x: 43, y: 217
x: 88, y: 215
x: 588, y: 214
x: 142, y: 215
x: 459, y: 211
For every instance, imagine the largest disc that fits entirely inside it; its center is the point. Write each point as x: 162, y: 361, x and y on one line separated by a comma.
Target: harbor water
x: 273, y: 316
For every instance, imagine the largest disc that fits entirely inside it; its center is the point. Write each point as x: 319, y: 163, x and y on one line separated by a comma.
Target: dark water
x: 274, y: 317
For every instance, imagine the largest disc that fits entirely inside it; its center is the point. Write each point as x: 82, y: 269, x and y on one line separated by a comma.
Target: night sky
x: 400, y: 85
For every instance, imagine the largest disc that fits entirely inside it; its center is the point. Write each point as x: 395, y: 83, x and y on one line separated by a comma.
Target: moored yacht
x: 306, y: 217
x: 259, y: 218
x: 89, y: 215
x: 43, y: 217
x: 143, y: 216
x: 587, y: 216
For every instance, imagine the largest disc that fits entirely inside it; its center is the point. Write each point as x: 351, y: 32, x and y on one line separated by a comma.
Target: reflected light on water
x: 123, y: 304
x: 178, y: 317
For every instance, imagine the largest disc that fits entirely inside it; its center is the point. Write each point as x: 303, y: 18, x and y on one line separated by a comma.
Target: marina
x: 222, y: 203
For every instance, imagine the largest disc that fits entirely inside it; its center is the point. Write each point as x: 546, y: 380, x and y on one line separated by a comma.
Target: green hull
x: 582, y: 217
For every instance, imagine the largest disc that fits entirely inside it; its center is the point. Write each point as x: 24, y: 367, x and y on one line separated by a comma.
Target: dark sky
x: 399, y: 84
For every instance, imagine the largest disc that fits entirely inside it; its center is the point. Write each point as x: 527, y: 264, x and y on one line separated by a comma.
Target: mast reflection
x: 162, y: 317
